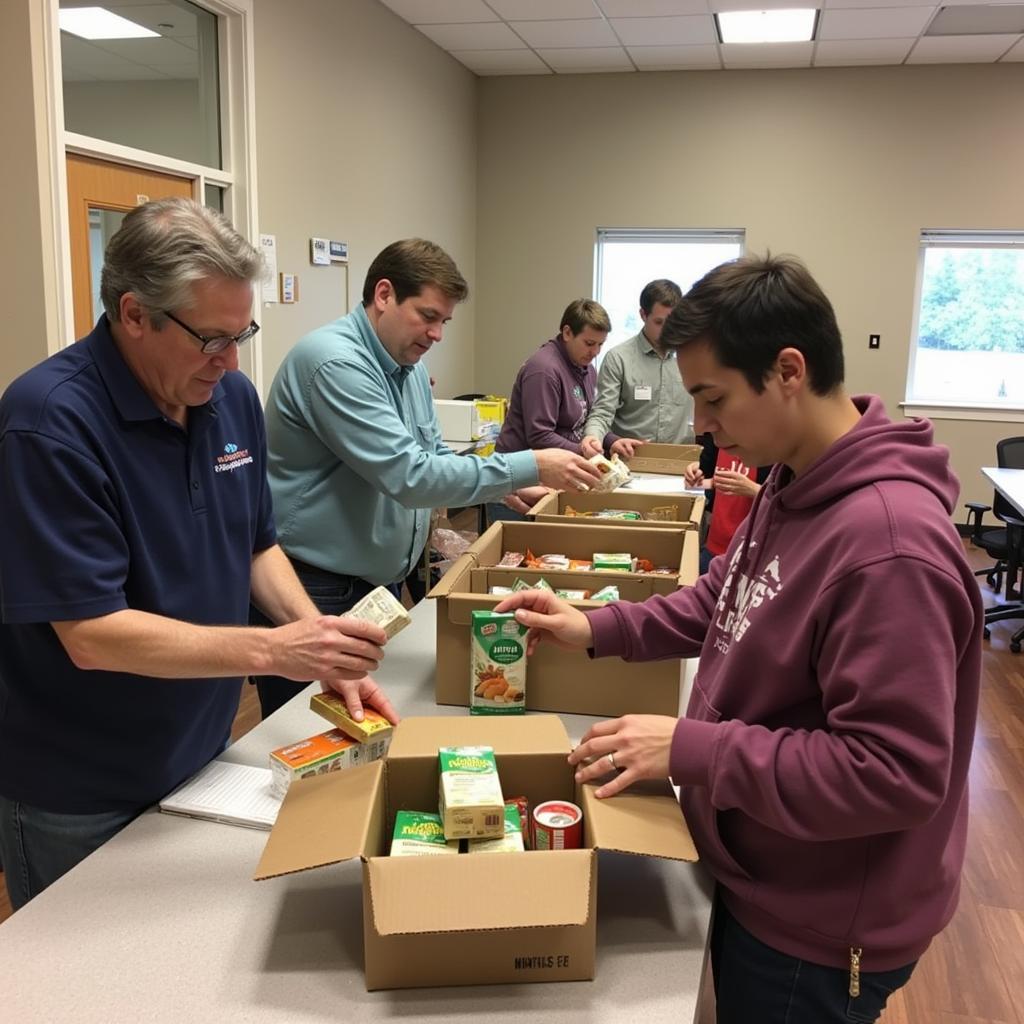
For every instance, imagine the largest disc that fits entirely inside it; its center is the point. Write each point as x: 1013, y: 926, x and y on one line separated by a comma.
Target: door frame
x: 238, y: 146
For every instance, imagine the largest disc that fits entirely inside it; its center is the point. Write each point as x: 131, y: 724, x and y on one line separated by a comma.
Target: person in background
x: 137, y: 523
x: 639, y: 394
x: 823, y: 762
x: 730, y: 487
x: 356, y: 460
x: 554, y: 390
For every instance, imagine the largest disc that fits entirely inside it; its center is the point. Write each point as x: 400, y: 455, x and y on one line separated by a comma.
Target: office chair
x: 472, y: 397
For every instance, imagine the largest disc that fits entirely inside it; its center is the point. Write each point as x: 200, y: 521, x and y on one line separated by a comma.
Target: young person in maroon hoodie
x: 823, y: 761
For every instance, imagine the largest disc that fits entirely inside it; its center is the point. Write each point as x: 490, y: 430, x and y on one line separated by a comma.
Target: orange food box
x: 329, y: 751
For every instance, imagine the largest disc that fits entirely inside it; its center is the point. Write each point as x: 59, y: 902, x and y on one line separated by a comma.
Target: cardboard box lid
x: 527, y: 734
x: 475, y: 892
x: 461, y: 566
x: 308, y: 832
x: 664, y: 458
x: 645, y: 820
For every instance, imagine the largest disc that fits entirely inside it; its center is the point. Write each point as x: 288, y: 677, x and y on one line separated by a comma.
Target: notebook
x: 236, y: 794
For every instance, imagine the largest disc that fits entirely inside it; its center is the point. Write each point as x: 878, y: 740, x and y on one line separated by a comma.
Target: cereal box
x: 419, y: 832
x: 510, y: 842
x: 331, y: 706
x: 469, y: 798
x: 497, y: 654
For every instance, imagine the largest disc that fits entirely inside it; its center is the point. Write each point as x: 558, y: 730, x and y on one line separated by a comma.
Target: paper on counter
x: 236, y: 794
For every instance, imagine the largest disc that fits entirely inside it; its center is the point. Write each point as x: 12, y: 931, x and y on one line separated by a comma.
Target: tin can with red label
x: 557, y: 825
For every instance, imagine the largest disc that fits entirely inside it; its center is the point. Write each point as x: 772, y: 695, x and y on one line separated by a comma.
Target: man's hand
x: 639, y: 747
x: 728, y: 481
x: 626, y: 447
x: 525, y: 498
x: 330, y: 648
x: 359, y: 692
x: 565, y: 471
x: 590, y: 446
x: 692, y: 475
x: 549, y: 618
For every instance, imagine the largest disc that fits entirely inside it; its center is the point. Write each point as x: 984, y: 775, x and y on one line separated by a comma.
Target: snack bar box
x: 465, y: 920
x: 558, y: 679
x: 552, y: 509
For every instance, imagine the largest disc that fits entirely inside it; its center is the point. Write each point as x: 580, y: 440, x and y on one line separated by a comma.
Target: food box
x: 552, y: 508
x: 439, y: 921
x: 420, y: 833
x: 497, y: 679
x: 470, y: 802
x: 329, y: 751
x: 331, y: 706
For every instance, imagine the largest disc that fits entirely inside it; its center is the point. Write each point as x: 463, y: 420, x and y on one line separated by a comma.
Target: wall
x: 366, y: 133
x: 841, y: 166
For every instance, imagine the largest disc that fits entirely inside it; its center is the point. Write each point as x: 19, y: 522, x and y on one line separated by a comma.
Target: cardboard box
x: 436, y: 921
x: 551, y: 509
x: 558, y: 679
x: 670, y: 459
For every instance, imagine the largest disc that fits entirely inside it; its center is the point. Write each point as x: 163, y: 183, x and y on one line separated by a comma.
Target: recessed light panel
x: 787, y: 26
x: 99, y: 23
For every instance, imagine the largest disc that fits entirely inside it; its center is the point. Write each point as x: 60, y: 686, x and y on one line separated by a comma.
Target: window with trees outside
x: 627, y: 259
x: 968, y: 344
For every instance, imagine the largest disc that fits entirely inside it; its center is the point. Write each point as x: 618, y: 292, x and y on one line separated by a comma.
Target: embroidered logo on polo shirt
x: 232, y: 459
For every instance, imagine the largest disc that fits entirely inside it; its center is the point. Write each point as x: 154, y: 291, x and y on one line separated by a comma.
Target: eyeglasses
x: 211, y: 346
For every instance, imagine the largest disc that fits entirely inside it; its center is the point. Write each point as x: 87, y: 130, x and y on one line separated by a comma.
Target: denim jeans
x: 333, y: 594
x: 754, y: 982
x: 498, y: 512
x: 39, y: 846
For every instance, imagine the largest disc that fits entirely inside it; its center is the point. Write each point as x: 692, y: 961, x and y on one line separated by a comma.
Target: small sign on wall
x: 289, y: 288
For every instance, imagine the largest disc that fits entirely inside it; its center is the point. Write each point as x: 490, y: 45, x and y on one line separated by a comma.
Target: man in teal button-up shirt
x: 356, y: 460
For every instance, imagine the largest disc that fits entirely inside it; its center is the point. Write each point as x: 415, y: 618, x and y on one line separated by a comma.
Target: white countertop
x: 164, y: 924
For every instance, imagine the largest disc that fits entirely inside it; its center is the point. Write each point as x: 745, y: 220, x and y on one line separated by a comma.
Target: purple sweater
x: 551, y: 400
x: 823, y: 760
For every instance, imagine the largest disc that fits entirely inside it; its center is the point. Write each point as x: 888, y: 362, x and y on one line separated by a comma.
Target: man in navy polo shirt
x: 137, y: 524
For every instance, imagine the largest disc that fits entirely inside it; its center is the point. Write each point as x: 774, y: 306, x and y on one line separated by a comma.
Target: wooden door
x: 99, y: 194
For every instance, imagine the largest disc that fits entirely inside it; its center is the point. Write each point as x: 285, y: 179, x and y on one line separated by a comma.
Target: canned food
x: 557, y: 825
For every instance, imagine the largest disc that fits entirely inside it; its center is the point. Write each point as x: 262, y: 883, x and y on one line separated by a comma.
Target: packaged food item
x: 618, y: 513
x: 327, y: 752
x: 469, y: 799
x: 618, y: 561
x: 331, y: 706
x: 557, y: 825
x: 522, y: 806
x: 510, y: 842
x: 521, y: 584
x: 511, y: 560
x: 579, y: 565
x: 419, y: 832
x: 573, y: 595
x: 663, y: 513
x: 570, y: 511
x: 497, y: 652
x: 606, y: 594
x: 501, y: 591
x: 614, y: 473
x: 558, y: 563
x: 383, y: 609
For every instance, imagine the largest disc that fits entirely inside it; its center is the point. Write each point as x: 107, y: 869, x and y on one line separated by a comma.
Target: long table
x: 163, y: 923
x: 1010, y: 484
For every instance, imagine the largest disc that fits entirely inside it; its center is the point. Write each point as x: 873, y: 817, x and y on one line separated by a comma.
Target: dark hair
x: 582, y: 313
x: 662, y: 291
x: 411, y: 265
x: 751, y: 308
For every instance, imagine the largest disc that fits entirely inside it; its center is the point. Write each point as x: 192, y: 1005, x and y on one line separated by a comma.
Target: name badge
x: 642, y: 393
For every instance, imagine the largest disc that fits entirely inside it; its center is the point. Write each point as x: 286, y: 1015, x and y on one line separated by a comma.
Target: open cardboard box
x: 551, y: 508
x: 671, y: 459
x: 470, y: 919
x: 559, y: 679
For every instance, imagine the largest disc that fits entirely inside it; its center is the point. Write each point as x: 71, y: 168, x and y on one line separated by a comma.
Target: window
x: 627, y: 259
x: 968, y: 342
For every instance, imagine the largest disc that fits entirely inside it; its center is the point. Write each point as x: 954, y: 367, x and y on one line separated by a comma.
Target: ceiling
x: 543, y: 37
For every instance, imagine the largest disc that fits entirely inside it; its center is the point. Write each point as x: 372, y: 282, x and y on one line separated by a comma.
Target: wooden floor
x: 974, y: 972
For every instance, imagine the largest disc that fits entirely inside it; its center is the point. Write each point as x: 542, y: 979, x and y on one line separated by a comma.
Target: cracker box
x: 331, y: 706
x: 497, y: 654
x: 510, y: 842
x: 419, y: 833
x: 469, y: 794
x: 383, y: 609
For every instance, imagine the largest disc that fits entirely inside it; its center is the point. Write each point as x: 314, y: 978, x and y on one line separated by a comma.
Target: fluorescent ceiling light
x: 99, y: 23
x: 791, y: 26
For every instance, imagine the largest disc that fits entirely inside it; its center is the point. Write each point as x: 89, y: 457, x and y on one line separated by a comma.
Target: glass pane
x: 213, y: 197
x: 102, y: 225
x: 627, y: 266
x: 158, y: 93
x: 970, y: 338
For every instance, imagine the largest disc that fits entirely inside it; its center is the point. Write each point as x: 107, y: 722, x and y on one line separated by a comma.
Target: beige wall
x: 843, y: 167
x: 366, y: 133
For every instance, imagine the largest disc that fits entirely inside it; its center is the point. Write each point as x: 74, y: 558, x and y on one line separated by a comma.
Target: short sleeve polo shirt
x: 107, y: 504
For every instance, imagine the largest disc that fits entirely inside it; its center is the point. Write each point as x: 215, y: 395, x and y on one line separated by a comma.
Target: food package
x: 420, y: 832
x: 511, y: 560
x: 510, y: 842
x: 572, y: 595
x: 383, y: 609
x: 497, y: 652
x: 469, y: 796
x: 618, y: 561
x: 606, y: 594
x: 329, y: 751
x: 331, y: 706
x: 614, y: 473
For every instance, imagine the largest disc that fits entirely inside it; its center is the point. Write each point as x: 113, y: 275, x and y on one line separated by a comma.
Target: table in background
x: 1010, y: 484
x: 164, y: 924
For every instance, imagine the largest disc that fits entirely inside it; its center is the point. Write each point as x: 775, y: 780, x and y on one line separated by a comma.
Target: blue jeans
x: 333, y: 594
x: 498, y: 512
x: 39, y: 846
x: 754, y: 982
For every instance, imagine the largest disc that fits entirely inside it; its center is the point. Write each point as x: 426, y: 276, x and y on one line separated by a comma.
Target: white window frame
x: 238, y: 153
x: 955, y: 239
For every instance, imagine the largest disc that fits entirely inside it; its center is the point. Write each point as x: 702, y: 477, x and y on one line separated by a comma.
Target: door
x: 99, y: 195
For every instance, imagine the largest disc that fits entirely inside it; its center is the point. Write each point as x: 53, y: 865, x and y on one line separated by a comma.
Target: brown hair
x: 582, y: 313
x: 411, y: 265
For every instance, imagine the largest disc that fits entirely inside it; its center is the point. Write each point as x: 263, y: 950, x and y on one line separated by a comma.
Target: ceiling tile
x: 830, y: 4
x: 652, y: 8
x: 671, y: 58
x: 767, y: 55
x: 861, y: 51
x: 874, y: 23
x: 993, y: 20
x: 147, y: 51
x: 1016, y: 54
x: 502, y: 62
x: 690, y: 30
x: 577, y: 59
x: 566, y: 34
x: 441, y: 12
x: 960, y: 49
x: 719, y: 6
x: 544, y: 10
x: 496, y: 36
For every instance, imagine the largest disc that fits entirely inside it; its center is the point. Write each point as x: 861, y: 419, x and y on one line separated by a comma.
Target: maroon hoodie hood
x: 823, y: 759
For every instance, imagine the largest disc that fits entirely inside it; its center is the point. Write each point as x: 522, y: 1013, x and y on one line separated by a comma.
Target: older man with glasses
x: 137, y: 523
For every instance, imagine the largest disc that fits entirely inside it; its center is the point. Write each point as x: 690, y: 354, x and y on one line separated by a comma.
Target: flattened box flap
x: 532, y: 734
x: 453, y: 577
x: 478, y: 892
x: 323, y: 820
x: 645, y: 820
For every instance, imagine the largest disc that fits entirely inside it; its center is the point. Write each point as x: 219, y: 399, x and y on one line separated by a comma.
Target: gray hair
x: 163, y: 248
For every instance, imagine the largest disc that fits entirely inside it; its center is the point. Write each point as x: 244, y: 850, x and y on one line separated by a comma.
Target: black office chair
x: 471, y: 397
